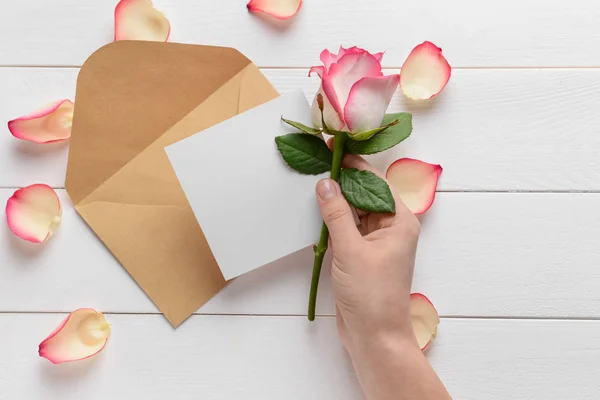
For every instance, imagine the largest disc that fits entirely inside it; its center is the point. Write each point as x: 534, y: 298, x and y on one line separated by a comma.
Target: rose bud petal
x: 281, y: 9
x: 319, y: 70
x: 81, y: 335
x: 425, y: 72
x: 367, y: 102
x: 139, y: 20
x: 342, y: 76
x: 328, y: 58
x: 354, y: 88
x: 424, y: 318
x: 331, y: 117
x: 354, y: 49
x: 34, y: 213
x: 51, y: 124
x: 414, y: 182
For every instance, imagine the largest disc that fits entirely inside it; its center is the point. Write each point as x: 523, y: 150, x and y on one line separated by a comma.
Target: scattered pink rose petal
x: 139, y: 20
x: 414, y: 182
x: 281, y: 9
x: 34, y: 213
x: 81, y: 335
x: 425, y: 320
x: 51, y: 124
x: 425, y: 72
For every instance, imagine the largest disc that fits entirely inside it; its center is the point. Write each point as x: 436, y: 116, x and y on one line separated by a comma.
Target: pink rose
x: 356, y: 94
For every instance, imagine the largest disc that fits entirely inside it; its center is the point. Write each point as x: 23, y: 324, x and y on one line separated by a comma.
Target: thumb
x: 336, y: 213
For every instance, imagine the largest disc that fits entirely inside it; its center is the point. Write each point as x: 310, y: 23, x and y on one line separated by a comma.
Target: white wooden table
x: 510, y: 252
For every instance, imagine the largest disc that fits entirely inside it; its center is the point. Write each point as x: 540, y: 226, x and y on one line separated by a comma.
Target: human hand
x: 372, y: 266
x: 371, y: 275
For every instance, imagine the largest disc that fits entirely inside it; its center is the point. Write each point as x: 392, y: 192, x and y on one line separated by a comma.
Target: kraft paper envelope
x: 132, y: 100
x: 253, y: 209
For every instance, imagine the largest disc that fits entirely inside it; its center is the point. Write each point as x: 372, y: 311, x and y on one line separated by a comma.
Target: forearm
x: 395, y: 369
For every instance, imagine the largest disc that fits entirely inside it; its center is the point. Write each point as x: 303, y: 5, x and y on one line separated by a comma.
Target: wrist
x: 377, y: 337
x: 382, y: 344
x: 383, y: 361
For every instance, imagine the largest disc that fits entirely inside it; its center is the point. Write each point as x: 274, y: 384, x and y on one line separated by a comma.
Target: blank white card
x: 253, y: 208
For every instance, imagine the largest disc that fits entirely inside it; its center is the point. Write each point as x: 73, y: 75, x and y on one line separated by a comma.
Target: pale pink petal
x: 379, y: 56
x: 425, y: 72
x: 414, y: 182
x: 342, y: 75
x: 331, y: 117
x: 282, y: 9
x: 139, y: 20
x: 368, y: 100
x: 328, y: 58
x: 354, y: 49
x: 351, y: 50
x: 319, y: 70
x: 34, y: 213
x: 51, y: 124
x: 81, y: 335
x: 424, y: 318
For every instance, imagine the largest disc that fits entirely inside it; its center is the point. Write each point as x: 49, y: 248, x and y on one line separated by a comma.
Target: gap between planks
x: 510, y: 191
x: 487, y: 68
x: 453, y: 317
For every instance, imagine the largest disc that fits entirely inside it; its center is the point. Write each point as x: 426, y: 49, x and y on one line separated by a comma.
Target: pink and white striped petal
x: 139, y: 20
x: 331, y: 117
x: 281, y: 9
x: 425, y: 72
x: 415, y: 182
x: 328, y: 58
x: 34, y: 213
x: 355, y: 49
x: 342, y: 75
x: 425, y: 320
x: 367, y: 102
x: 319, y: 70
x: 81, y: 335
x: 49, y: 124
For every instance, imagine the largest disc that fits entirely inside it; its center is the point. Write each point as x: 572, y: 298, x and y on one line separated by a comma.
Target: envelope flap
x: 138, y: 86
x: 178, y: 272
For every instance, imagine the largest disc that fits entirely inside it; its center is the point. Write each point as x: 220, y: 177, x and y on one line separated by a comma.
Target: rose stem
x: 321, y: 249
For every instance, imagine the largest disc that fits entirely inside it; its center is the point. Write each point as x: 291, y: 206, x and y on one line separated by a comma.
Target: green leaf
x: 305, y: 153
x: 385, y: 140
x: 366, y: 191
x: 301, y: 127
x: 362, y: 136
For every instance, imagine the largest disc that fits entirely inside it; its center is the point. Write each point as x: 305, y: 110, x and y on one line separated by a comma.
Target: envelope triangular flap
x: 151, y: 85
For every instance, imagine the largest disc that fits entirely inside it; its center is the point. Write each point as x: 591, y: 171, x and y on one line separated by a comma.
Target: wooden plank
x: 537, y: 130
x: 218, y: 357
x: 480, y: 254
x: 473, y: 33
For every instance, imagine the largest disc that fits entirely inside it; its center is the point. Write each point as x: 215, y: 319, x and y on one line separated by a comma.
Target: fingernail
x: 326, y: 189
